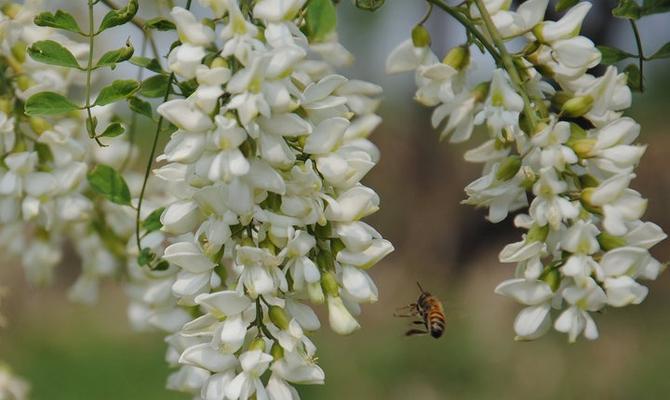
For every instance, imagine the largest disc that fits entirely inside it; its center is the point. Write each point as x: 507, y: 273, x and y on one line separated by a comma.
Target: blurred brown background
x: 71, y: 352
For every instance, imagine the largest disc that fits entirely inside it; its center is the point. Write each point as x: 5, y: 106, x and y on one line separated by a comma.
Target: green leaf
x: 321, y: 19
x: 154, y: 87
x: 563, y: 5
x: 634, y: 77
x: 111, y: 58
x: 612, y: 55
x: 153, y: 221
x: 655, y: 7
x: 628, y: 9
x: 113, y: 130
x: 61, y: 20
x: 106, y: 181
x: 369, y: 5
x: 118, y: 90
x: 140, y: 106
x: 48, y: 103
x: 663, y: 52
x: 149, y: 63
x: 53, y: 53
x: 160, y: 24
x: 119, y: 17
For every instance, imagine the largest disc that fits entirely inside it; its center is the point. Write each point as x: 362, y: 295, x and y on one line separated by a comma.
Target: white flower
x: 254, y: 363
x: 340, y: 318
x: 189, y: 29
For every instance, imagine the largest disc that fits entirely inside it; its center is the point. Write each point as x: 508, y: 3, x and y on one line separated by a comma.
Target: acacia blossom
x: 586, y: 246
x: 264, y: 173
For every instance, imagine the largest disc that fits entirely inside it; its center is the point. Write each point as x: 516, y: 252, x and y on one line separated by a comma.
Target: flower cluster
x: 265, y: 168
x: 44, y: 198
x: 560, y: 148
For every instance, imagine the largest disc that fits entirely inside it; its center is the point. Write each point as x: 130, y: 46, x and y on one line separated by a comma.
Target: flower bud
x: 583, y: 147
x: 277, y: 351
x: 577, y: 106
x: 11, y: 10
x: 257, y: 344
x: 23, y: 82
x: 315, y: 293
x: 458, y: 57
x: 219, y: 62
x: 278, y: 317
x: 6, y: 106
x: 609, y: 242
x: 509, y: 168
x: 39, y: 125
x: 329, y: 284
x: 586, y: 199
x: 420, y: 36
x: 537, y: 233
x: 19, y: 51
x: 481, y: 91
x: 588, y: 181
x: 552, y: 277
x: 341, y: 320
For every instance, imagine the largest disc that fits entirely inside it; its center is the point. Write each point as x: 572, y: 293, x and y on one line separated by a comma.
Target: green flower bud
x: 209, y: 22
x: 537, y: 32
x: 458, y: 57
x: 583, y: 147
x: 481, y: 91
x: 509, y: 168
x: 6, y: 105
x: 19, y: 51
x: 278, y: 317
x: 257, y: 344
x: 552, y: 277
x: 609, y: 242
x: 577, y: 106
x: 23, y: 82
x: 277, y: 351
x: 329, y: 284
x: 420, y: 36
x: 585, y: 198
x: 537, y: 233
x: 588, y: 181
x: 39, y: 125
x: 219, y: 62
x: 12, y: 10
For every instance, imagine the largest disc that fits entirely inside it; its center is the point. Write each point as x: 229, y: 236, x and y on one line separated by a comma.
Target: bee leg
x: 409, y: 311
x: 416, y: 332
x: 418, y: 323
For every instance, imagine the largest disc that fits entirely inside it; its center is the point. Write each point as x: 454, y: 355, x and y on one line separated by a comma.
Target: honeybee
x: 430, y: 311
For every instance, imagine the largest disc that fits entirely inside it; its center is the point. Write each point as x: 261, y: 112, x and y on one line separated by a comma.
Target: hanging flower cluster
x: 559, y: 147
x: 44, y: 197
x: 264, y: 168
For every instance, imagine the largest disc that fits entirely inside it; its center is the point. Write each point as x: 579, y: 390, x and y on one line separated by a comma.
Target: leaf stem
x: 89, y: 71
x: 508, y: 64
x: 640, y: 52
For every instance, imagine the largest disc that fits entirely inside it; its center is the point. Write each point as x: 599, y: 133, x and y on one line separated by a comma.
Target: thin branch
x: 508, y: 63
x: 640, y: 52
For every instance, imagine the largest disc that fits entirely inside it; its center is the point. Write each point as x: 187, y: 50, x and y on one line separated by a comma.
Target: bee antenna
x: 420, y: 288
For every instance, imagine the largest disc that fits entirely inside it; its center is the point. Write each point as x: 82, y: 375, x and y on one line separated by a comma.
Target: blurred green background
x: 73, y: 352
